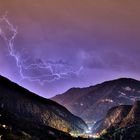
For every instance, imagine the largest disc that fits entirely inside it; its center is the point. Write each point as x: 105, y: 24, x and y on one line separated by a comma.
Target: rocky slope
x: 133, y: 117
x: 25, y: 110
x: 92, y: 103
x: 122, y: 122
x: 114, y: 117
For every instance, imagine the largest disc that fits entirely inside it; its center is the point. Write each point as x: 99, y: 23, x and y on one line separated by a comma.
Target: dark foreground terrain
x: 24, y: 115
x: 24, y: 130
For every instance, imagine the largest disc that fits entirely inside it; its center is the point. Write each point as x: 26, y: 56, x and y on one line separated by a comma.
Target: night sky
x: 59, y: 44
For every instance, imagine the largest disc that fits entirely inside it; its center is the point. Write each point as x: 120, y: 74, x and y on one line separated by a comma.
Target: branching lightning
x: 31, y: 68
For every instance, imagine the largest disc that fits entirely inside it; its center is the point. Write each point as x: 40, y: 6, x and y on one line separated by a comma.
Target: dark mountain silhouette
x: 92, y: 103
x: 22, y: 110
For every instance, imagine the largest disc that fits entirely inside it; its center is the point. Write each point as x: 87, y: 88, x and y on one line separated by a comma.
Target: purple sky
x: 63, y: 44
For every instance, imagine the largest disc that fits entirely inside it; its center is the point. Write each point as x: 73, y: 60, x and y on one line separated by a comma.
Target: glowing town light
x: 89, y: 130
x: 4, y: 126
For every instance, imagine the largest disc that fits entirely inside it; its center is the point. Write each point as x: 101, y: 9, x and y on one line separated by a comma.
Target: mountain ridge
x: 103, y: 96
x: 21, y: 105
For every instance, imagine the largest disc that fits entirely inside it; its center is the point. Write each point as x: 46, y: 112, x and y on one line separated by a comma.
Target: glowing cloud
x: 34, y: 69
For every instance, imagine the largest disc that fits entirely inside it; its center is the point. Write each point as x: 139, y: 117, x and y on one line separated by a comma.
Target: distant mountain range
x: 92, y: 103
x: 24, y: 112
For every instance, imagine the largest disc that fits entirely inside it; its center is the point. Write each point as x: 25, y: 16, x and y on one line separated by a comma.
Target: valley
x: 27, y: 116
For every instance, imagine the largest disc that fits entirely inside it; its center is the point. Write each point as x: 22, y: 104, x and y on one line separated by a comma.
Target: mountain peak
x: 122, y: 80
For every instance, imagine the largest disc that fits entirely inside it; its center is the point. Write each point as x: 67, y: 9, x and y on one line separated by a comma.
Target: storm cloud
x: 62, y: 44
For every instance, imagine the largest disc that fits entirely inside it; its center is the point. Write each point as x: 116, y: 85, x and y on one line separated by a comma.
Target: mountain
x: 19, y: 108
x: 122, y: 121
x: 92, y: 103
x: 133, y: 116
x: 114, y: 117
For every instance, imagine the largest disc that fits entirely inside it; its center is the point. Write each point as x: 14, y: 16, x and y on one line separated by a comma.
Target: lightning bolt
x: 31, y: 68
